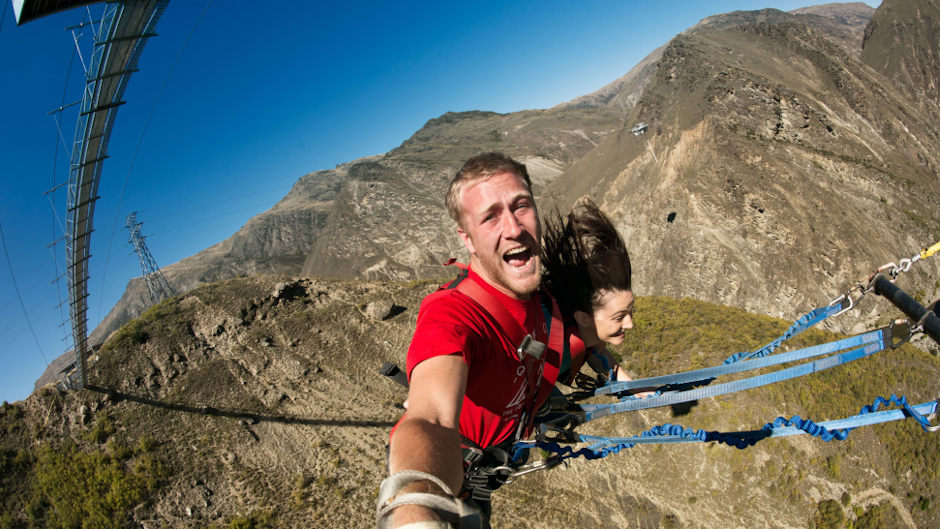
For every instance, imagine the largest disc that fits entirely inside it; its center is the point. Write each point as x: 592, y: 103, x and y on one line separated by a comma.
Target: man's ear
x: 584, y: 319
x: 465, y: 237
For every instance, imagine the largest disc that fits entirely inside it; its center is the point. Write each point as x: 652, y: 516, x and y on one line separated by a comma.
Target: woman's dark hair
x: 583, y: 256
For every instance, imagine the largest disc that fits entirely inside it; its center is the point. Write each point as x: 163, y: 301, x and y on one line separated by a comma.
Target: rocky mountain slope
x: 778, y: 169
x: 903, y: 43
x: 789, y: 161
x: 256, y: 402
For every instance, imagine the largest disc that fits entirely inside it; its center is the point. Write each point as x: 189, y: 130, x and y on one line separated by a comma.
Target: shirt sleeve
x: 443, y: 328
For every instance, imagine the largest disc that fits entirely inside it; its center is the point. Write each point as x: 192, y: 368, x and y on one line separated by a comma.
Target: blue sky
x: 234, y: 103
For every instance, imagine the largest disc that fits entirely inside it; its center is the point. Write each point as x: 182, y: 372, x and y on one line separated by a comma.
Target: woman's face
x: 611, y: 318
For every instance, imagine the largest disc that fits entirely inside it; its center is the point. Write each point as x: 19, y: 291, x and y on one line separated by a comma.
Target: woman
x: 587, y: 270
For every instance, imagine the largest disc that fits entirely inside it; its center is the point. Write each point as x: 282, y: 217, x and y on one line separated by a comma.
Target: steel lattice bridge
x: 120, y: 36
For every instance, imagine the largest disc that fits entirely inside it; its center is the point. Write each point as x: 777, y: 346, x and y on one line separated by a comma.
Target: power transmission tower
x: 156, y: 282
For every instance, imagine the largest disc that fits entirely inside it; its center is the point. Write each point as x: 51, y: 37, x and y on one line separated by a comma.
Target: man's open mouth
x: 517, y: 257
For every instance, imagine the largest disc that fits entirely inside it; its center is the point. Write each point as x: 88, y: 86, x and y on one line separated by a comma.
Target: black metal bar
x: 89, y: 162
x: 106, y: 106
x: 114, y: 74
x: 125, y: 39
x: 908, y: 305
x: 83, y: 204
x: 393, y: 372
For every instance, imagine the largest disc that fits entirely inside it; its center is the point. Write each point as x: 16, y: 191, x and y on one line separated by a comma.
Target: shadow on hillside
x: 235, y: 414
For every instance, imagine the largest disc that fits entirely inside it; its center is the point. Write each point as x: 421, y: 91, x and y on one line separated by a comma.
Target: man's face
x: 500, y: 228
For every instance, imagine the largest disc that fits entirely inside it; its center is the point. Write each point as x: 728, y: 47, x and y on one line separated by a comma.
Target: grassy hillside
x: 256, y: 402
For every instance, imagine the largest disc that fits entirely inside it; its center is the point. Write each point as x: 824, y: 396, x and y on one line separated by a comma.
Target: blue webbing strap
x: 597, y: 411
x: 868, y: 416
x: 781, y: 427
x: 737, y: 367
x: 801, y: 324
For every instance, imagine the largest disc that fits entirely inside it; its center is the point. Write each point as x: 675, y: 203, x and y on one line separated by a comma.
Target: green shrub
x: 829, y: 515
x: 833, y: 467
x: 77, y: 489
x: 102, y: 429
x: 11, y: 417
x: 878, y: 517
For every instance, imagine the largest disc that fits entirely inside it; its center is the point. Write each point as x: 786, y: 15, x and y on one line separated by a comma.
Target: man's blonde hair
x: 481, y: 167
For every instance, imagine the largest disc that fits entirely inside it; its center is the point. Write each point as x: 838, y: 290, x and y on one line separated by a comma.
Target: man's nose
x: 511, y: 225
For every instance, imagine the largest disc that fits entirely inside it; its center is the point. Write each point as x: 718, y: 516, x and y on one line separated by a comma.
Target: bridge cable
x: 51, y: 193
x: 3, y: 241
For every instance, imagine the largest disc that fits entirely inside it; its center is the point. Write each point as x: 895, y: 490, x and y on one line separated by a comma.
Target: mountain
x: 256, y: 402
x: 383, y: 216
x: 903, y: 43
x: 785, y: 159
x: 778, y: 169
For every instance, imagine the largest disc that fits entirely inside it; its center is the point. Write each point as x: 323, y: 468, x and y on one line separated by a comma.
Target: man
x: 469, y: 379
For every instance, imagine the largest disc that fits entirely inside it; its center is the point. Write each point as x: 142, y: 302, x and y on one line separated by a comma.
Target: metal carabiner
x: 847, y: 297
x: 904, y: 265
x: 891, y: 268
x: 903, y: 337
x: 541, y: 464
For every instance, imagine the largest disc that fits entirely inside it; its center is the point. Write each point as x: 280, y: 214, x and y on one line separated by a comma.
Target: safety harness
x: 488, y: 468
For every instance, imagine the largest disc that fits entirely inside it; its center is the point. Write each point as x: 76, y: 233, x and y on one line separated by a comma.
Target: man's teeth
x: 517, y: 256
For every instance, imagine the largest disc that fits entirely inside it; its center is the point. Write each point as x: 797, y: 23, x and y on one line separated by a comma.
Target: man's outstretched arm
x: 427, y: 439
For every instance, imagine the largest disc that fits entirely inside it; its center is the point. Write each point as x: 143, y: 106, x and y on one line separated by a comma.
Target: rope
x: 927, y: 252
x: 838, y: 429
x: 801, y: 324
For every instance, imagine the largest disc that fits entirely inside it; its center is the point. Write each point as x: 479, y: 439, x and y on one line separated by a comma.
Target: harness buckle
x: 933, y: 427
x: 530, y: 346
x: 472, y: 455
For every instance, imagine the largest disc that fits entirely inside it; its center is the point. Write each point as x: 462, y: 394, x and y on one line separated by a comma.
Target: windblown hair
x: 583, y: 258
x: 481, y: 167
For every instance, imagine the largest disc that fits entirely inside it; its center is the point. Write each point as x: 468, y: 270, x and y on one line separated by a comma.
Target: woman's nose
x: 627, y: 322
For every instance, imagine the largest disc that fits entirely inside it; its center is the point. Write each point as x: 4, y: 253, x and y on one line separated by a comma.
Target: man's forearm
x: 426, y: 447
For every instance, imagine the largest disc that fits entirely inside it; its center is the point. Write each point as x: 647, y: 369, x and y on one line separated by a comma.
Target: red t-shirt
x: 499, y: 388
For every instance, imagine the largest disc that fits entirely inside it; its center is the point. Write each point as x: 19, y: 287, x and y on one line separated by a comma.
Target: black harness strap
x: 485, y: 469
